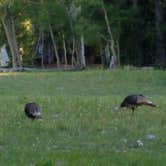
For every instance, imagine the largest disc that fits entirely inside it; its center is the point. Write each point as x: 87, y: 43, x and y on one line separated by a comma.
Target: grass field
x: 81, y: 126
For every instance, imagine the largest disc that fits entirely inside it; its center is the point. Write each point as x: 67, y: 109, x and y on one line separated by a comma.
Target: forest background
x: 84, y: 32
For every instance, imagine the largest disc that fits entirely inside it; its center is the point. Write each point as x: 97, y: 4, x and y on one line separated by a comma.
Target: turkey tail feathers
x: 150, y: 104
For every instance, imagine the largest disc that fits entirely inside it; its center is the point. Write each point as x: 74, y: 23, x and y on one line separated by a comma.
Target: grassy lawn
x: 81, y: 126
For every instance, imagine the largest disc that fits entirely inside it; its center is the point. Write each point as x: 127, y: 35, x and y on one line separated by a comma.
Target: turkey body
x: 133, y: 101
x: 33, y: 111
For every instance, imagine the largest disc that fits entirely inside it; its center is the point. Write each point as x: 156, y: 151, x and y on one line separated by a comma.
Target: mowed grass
x: 80, y: 125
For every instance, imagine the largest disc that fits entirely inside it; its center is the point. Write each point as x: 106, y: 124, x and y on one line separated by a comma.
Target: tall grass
x: 81, y: 126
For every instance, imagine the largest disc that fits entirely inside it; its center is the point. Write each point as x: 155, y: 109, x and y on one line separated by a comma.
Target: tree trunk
x: 64, y: 48
x: 113, y: 62
x: 42, y: 55
x: 111, y: 41
x: 102, y: 56
x: 73, y: 60
x: 160, y: 50
x: 135, y: 3
x: 49, y: 55
x: 118, y: 52
x: 82, y: 52
x: 15, y: 44
x: 9, y: 39
x: 107, y: 54
x: 54, y: 45
x: 10, y: 32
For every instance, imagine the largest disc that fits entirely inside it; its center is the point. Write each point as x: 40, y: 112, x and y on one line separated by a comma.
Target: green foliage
x: 133, y: 26
x: 80, y: 125
x: 6, y: 2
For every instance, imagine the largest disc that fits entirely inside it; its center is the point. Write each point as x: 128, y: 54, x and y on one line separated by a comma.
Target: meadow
x: 81, y: 126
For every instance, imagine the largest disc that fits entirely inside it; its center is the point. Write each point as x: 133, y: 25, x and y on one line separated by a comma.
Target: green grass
x: 80, y: 125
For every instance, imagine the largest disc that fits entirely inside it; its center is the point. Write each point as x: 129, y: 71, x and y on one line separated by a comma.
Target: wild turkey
x: 133, y: 101
x: 33, y: 111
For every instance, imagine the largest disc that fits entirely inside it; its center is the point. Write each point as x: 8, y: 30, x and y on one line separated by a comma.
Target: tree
x: 8, y: 9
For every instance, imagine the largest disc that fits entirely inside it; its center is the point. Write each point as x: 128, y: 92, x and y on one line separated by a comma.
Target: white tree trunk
x: 111, y: 41
x: 113, y: 62
x: 54, y: 45
x: 82, y: 52
x: 64, y: 48
x: 73, y: 60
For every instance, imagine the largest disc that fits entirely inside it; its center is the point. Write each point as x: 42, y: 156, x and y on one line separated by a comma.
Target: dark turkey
x: 33, y: 111
x: 133, y: 101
